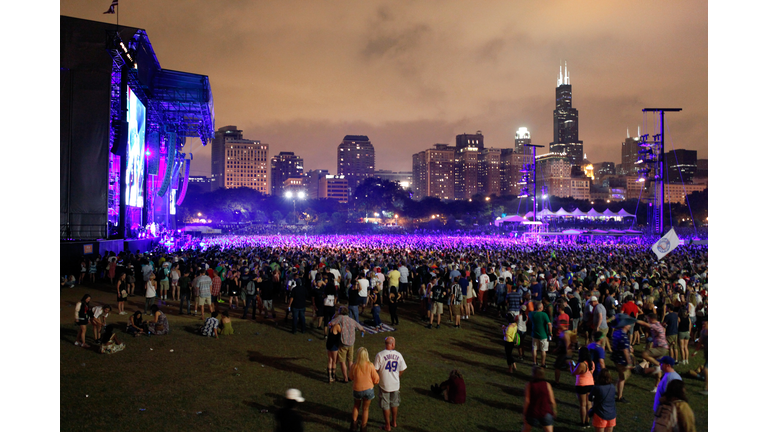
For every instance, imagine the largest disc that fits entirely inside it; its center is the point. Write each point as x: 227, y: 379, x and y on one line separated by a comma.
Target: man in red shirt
x: 215, y: 290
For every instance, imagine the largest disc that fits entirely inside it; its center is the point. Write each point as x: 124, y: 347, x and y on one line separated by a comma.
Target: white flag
x: 666, y: 244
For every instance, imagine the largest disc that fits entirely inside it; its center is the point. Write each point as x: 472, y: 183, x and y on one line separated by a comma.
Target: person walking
x: 390, y: 365
x: 539, y: 406
x: 674, y: 413
x: 287, y: 418
x: 364, y: 377
x: 298, y: 302
x: 541, y: 331
x: 511, y: 341
x: 332, y: 345
x: 349, y: 327
x: 150, y: 289
x: 622, y: 354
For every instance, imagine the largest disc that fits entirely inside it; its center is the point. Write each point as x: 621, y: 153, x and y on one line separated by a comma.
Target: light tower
x: 650, y: 156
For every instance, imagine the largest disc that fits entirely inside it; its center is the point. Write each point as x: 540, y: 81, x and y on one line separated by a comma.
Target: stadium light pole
x: 300, y: 195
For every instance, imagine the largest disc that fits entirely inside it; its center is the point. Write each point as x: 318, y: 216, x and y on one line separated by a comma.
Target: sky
x: 300, y: 75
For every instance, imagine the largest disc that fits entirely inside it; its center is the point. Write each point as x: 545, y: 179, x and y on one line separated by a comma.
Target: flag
x: 112, y: 7
x: 665, y: 244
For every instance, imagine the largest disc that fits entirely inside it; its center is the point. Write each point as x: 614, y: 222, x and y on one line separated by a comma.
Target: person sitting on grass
x: 159, y: 324
x: 226, y: 324
x: 211, y: 326
x: 453, y: 390
x: 136, y: 324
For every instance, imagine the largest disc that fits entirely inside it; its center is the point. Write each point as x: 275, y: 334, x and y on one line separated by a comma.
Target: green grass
x: 224, y: 384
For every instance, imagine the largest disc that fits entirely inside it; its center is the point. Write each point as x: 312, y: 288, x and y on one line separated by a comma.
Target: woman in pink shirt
x: 584, y: 381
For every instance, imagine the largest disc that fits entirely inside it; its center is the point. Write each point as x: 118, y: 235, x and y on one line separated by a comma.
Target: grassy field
x: 226, y: 384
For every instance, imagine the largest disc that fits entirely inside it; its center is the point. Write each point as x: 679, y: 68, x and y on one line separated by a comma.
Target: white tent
x: 572, y: 232
x: 578, y: 213
x: 562, y: 212
x: 609, y: 213
x: 597, y: 231
x: 545, y: 213
x: 513, y: 218
x: 593, y: 213
x: 623, y: 213
x: 528, y: 215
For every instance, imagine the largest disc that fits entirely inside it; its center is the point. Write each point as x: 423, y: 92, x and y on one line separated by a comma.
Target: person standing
x: 539, y: 407
x: 674, y: 413
x: 150, y: 289
x: 622, y: 354
x: 456, y: 303
x: 185, y: 293
x: 390, y: 365
x: 584, y: 381
x: 670, y: 323
x: 122, y: 294
x: 603, y: 403
x: 82, y: 316
x: 364, y: 377
x: 541, y: 331
x: 347, y: 348
x: 599, y: 315
x: 670, y: 374
x: 483, y: 281
x: 203, y: 286
x: 298, y: 302
x: 511, y: 340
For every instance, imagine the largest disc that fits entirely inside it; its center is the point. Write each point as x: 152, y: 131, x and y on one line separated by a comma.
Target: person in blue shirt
x: 597, y: 352
x: 666, y: 364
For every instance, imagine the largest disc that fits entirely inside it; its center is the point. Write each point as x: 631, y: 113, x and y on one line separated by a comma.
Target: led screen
x: 134, y: 175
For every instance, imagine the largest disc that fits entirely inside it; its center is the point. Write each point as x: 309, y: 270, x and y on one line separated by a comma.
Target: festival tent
x: 578, y: 213
x: 513, y: 218
x: 609, y: 213
x: 572, y: 232
x: 528, y: 215
x: 623, y: 213
x: 593, y: 213
x: 562, y: 212
x: 545, y: 213
x: 615, y: 231
x: 597, y: 231
x: 632, y: 231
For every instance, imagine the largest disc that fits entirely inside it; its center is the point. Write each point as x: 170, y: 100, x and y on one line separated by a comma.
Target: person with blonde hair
x: 364, y: 377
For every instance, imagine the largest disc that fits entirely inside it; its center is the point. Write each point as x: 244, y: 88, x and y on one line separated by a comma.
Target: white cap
x: 594, y: 298
x: 294, y: 394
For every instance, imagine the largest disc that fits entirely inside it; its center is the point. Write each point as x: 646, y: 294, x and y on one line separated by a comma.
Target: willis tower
x: 566, y: 122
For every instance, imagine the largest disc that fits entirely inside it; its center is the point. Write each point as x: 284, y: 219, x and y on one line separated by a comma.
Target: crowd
x: 584, y: 304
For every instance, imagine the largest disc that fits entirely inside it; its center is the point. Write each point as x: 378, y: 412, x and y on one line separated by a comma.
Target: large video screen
x: 134, y: 175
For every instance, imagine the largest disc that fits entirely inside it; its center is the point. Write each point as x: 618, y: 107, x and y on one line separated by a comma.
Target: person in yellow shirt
x: 393, y: 279
x: 511, y: 341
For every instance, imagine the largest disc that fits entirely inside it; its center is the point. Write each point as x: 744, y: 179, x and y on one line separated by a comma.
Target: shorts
x: 268, y: 305
x: 547, y: 420
x: 604, y: 331
x: 346, y: 351
x: 623, y: 371
x: 540, y: 344
x: 684, y: 335
x: 202, y: 301
x: 456, y: 309
x: 658, y: 352
x: 389, y: 399
x: 164, y: 284
x: 363, y: 395
x: 600, y: 423
x: 437, y: 308
x: 672, y: 340
x: 464, y: 301
x: 580, y: 390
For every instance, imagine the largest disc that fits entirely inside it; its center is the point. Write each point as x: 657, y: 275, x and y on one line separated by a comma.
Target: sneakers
x: 429, y: 326
x: 622, y: 400
x: 77, y: 343
x: 123, y: 313
x: 654, y: 390
x: 437, y: 326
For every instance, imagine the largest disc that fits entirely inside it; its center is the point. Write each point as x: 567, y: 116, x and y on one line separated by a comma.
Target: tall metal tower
x: 650, y: 156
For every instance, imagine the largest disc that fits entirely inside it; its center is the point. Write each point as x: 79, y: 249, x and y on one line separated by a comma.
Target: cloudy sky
x: 300, y: 75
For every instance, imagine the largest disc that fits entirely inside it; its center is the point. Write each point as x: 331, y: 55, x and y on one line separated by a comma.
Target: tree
x: 277, y: 216
x: 338, y: 218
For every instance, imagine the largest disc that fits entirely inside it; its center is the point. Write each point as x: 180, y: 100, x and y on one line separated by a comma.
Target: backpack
x: 665, y: 418
x: 250, y: 289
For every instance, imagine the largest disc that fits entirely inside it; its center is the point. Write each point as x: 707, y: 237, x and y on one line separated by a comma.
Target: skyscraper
x: 433, y: 172
x: 356, y: 160
x: 238, y: 162
x: 489, y: 164
x: 285, y: 165
x: 470, y: 140
x: 629, y: 155
x: 566, y: 122
x: 522, y: 137
x: 681, y: 166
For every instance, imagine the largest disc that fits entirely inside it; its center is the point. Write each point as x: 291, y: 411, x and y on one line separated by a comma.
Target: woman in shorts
x: 582, y: 370
x: 364, y: 377
x: 175, y: 276
x: 603, y: 403
x: 332, y: 345
x: 684, y: 334
x: 82, y: 317
x: 122, y: 294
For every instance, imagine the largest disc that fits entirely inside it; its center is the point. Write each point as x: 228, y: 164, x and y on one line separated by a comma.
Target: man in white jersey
x: 390, y: 365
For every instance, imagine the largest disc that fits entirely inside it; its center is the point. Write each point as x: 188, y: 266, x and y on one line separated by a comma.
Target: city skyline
x: 412, y: 76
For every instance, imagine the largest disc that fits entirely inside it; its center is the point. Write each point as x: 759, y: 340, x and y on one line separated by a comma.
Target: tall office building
x: 285, y: 165
x: 356, y: 160
x: 238, y: 162
x: 510, y: 164
x: 566, y: 122
x: 433, y: 172
x: 523, y: 137
x: 681, y: 166
x: 553, y: 170
x: 466, y: 173
x: 629, y: 156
